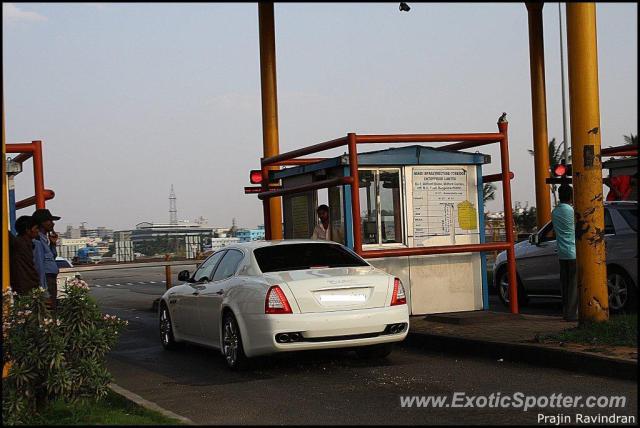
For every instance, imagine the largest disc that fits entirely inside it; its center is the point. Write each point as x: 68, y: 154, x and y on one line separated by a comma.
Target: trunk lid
x: 335, y: 289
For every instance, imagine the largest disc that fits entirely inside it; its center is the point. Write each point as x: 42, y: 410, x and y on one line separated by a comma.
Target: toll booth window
x: 380, y: 206
x: 368, y: 207
x: 336, y: 214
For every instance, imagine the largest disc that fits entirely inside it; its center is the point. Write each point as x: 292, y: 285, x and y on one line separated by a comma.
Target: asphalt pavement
x: 320, y: 387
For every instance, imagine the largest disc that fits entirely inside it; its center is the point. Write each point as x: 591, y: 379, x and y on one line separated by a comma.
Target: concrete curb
x: 131, y: 396
x: 526, y: 353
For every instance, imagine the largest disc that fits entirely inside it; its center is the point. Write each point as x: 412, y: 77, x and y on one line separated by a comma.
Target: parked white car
x: 265, y: 297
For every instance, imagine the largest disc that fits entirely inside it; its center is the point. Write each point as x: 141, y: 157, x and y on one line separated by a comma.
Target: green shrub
x: 54, y: 356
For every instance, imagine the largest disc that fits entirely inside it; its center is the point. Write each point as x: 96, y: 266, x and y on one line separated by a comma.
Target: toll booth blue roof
x: 395, y: 156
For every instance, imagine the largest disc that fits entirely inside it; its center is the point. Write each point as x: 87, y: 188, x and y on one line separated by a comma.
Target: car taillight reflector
x: 276, y: 302
x: 398, y: 297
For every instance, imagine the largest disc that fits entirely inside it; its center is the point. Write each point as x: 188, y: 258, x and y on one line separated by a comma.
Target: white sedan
x: 265, y: 297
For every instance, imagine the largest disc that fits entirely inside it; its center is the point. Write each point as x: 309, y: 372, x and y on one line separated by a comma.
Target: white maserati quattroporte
x: 265, y: 297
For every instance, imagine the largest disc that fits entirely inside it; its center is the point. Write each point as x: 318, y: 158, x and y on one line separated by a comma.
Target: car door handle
x: 220, y: 292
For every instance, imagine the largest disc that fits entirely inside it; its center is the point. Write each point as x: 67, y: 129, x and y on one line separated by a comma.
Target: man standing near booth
x: 45, y: 253
x: 24, y: 276
x: 563, y: 225
x: 323, y: 228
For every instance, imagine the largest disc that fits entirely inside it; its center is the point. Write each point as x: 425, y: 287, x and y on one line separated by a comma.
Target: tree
x: 631, y: 139
x: 524, y: 218
x: 556, y: 156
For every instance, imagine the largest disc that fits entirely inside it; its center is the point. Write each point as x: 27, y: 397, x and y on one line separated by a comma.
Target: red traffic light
x: 560, y: 170
x: 255, y: 177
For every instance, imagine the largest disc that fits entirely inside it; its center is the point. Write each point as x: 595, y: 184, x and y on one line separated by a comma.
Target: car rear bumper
x: 323, y: 330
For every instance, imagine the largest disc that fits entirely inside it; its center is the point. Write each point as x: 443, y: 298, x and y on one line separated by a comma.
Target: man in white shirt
x: 323, y: 229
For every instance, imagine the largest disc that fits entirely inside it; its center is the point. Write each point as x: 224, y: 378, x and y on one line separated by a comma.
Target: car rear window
x: 280, y: 258
x: 631, y: 217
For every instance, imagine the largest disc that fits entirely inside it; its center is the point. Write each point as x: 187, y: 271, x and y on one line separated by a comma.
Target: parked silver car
x: 539, y: 271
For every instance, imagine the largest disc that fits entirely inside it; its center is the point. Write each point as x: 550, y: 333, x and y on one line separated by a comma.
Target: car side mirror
x: 534, y: 239
x: 184, y: 276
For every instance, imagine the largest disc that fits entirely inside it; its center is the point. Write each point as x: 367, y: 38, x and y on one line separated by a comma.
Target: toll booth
x: 409, y: 197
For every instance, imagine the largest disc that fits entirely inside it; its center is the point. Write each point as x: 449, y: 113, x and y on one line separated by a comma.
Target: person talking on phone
x: 45, y: 253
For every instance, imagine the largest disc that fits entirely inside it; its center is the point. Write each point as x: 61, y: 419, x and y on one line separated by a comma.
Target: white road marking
x: 129, y: 283
x: 117, y: 284
x: 152, y: 282
x: 109, y: 285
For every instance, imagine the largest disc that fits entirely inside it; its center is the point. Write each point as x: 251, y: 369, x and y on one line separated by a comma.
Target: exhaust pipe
x: 396, y: 328
x: 295, y: 337
x: 289, y: 337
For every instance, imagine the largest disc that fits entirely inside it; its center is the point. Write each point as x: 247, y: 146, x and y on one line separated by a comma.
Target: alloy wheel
x: 165, y: 326
x: 618, y: 291
x: 230, y: 342
x: 503, y: 288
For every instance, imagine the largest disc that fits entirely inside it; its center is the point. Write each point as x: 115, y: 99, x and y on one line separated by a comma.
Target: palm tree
x: 631, y: 139
x: 556, y: 156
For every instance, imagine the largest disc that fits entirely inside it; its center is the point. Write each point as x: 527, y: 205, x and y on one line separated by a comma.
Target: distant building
x: 84, y: 232
x: 123, y: 246
x: 146, y: 231
x: 247, y: 235
x: 183, y: 238
x: 221, y: 232
x: 218, y: 243
x: 69, y: 247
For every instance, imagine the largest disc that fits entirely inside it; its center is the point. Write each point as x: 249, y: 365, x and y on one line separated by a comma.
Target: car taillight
x: 398, y: 297
x: 276, y: 302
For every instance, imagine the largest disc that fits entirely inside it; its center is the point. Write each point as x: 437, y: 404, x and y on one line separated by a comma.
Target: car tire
x: 375, y: 351
x: 166, y: 329
x: 621, y: 291
x: 232, y: 348
x: 502, y: 286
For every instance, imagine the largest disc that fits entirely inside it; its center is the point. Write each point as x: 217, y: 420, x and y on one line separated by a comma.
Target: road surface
x: 328, y: 387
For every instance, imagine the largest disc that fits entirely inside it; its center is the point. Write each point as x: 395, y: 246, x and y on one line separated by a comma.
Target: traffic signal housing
x: 560, y: 174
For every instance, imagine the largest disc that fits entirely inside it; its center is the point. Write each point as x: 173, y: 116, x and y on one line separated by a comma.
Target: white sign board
x: 441, y: 203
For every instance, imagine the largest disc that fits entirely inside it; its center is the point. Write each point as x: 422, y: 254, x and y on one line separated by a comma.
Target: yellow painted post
x: 539, y: 113
x: 5, y: 230
x: 270, y: 142
x: 587, y: 163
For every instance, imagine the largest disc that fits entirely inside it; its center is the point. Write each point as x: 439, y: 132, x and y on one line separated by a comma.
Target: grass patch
x: 111, y: 410
x: 619, y: 330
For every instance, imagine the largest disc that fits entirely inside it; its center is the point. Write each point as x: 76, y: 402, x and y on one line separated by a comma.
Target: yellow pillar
x: 5, y: 227
x: 539, y: 113
x: 587, y: 165
x: 270, y: 142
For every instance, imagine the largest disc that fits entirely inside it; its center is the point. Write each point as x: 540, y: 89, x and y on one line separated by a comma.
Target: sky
x: 131, y: 98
